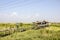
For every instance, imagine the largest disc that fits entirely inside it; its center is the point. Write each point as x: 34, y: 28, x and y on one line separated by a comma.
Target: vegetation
x: 24, y: 32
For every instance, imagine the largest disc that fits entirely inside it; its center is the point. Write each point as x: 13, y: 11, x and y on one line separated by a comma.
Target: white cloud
x: 14, y: 14
x: 37, y: 15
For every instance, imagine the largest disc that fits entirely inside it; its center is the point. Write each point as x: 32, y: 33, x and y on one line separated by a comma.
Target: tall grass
x: 49, y: 33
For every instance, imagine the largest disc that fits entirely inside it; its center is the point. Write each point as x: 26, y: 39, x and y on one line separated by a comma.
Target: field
x: 48, y: 33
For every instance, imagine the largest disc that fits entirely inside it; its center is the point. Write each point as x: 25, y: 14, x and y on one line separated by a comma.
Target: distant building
x: 42, y: 24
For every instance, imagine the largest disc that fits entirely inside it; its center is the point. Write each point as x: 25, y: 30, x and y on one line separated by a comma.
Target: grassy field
x: 48, y: 33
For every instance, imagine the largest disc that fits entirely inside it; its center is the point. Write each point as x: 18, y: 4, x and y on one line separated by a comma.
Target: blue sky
x: 29, y: 10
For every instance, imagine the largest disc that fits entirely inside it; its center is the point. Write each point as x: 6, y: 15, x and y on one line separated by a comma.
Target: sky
x: 29, y: 10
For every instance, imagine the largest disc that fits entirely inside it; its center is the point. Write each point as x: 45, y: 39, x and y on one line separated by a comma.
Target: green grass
x: 41, y: 34
x: 48, y: 33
